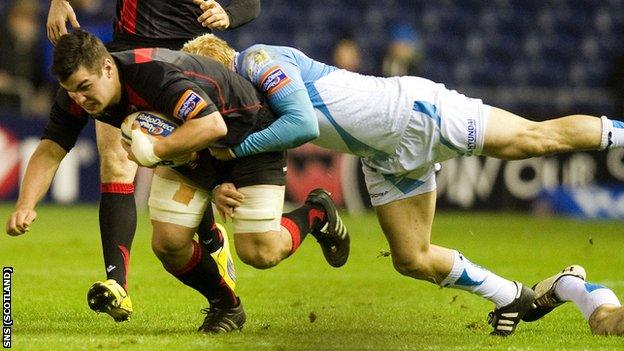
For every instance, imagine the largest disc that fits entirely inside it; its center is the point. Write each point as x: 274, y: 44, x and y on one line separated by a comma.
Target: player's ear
x: 107, y: 67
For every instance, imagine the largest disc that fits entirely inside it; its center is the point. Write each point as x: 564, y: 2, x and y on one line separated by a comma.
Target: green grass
x: 364, y: 305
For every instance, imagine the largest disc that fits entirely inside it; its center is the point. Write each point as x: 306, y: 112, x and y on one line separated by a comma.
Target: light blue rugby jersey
x: 285, y: 75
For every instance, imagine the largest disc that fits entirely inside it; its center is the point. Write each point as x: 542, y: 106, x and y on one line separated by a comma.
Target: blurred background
x: 539, y: 59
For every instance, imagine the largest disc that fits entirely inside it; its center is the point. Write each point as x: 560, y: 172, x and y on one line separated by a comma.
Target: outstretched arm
x: 39, y: 174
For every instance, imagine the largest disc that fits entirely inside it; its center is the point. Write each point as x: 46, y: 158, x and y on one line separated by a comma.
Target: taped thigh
x: 175, y: 202
x: 261, y: 211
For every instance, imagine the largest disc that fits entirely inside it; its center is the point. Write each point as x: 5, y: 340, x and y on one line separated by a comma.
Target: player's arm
x: 59, y: 136
x: 280, y: 80
x: 237, y: 13
x: 59, y: 14
x: 194, y: 135
x: 36, y: 182
x: 295, y: 126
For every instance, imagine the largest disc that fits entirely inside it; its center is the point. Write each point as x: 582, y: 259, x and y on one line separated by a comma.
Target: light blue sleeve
x: 295, y: 126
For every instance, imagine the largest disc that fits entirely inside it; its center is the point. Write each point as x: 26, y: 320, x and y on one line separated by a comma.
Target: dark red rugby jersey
x: 174, y: 83
x: 174, y: 19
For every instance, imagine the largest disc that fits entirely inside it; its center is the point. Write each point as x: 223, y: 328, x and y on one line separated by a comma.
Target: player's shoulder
x: 257, y: 59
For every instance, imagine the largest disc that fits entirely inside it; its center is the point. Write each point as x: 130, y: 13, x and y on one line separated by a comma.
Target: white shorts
x: 261, y: 210
x: 172, y: 201
x: 445, y: 126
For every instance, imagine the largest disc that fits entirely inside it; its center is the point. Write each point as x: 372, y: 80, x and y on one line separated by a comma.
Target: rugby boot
x: 223, y: 258
x: 547, y: 300
x: 223, y: 320
x: 111, y: 298
x: 332, y: 234
x: 505, y: 319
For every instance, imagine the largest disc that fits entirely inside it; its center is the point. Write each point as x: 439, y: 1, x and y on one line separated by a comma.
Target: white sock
x: 586, y: 296
x: 612, y: 133
x: 466, y: 275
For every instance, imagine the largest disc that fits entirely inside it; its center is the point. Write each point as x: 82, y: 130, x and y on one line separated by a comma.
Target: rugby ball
x: 156, y: 126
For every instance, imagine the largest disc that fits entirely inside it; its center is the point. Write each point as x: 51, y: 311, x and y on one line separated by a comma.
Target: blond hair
x: 210, y: 46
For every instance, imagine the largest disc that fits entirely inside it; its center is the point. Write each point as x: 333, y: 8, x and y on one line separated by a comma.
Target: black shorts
x: 262, y: 169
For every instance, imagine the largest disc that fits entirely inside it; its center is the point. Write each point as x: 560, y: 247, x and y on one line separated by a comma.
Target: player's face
x: 93, y: 91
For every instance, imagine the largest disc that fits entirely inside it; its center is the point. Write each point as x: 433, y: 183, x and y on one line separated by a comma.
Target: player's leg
x: 117, y: 223
x: 598, y: 304
x: 509, y: 136
x: 406, y: 217
x: 264, y: 236
x: 176, y: 208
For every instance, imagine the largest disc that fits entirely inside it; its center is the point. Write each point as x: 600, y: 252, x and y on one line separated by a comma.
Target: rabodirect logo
x: 154, y: 125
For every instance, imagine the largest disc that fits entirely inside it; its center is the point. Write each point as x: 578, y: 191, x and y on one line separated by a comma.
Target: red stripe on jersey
x: 129, y: 16
x: 117, y: 188
x: 143, y: 55
x: 223, y: 110
x: 136, y: 100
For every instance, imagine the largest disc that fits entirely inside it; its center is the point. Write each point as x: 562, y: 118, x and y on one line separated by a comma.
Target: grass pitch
x: 303, y: 304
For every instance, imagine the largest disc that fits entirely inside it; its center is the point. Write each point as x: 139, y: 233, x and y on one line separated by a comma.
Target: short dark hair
x: 78, y: 48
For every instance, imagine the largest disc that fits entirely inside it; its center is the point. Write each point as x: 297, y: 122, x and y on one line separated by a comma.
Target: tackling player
x: 139, y: 23
x: 402, y: 127
x: 215, y: 106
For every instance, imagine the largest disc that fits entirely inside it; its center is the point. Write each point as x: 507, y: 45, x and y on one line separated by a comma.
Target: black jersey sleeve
x: 66, y: 121
x: 242, y: 11
x: 170, y: 91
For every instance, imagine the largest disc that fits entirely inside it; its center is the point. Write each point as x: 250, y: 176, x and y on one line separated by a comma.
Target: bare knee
x: 415, y: 265
x: 166, y: 246
x: 262, y: 250
x: 260, y: 257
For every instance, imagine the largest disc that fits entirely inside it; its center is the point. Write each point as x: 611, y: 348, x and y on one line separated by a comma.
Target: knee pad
x: 261, y: 211
x: 175, y: 202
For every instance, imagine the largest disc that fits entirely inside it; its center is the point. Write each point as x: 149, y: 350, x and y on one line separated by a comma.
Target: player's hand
x: 126, y: 146
x: 226, y: 198
x: 223, y: 154
x: 213, y: 16
x: 142, y: 150
x: 19, y: 222
x: 59, y: 14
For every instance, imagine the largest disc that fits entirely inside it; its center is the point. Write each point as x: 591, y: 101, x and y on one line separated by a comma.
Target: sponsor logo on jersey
x: 154, y: 125
x: 472, y: 136
x: 273, y: 80
x: 189, y: 105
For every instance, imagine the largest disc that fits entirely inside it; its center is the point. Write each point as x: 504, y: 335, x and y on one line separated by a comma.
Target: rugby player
x: 402, y: 127
x: 137, y: 24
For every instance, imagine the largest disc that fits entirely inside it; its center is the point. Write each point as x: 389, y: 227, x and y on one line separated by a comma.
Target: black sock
x: 202, y: 274
x: 209, y: 235
x: 307, y: 218
x: 301, y: 221
x: 117, y: 226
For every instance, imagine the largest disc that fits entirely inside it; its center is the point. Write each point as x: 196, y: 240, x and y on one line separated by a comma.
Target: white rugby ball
x: 156, y: 126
